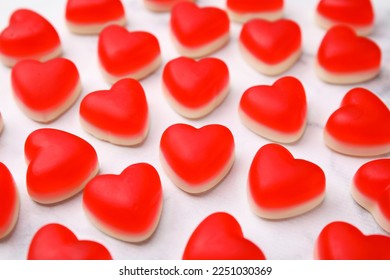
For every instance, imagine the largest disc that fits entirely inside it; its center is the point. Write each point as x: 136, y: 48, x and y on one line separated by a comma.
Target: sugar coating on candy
x: 270, y: 47
x: 195, y: 88
x: 244, y: 10
x: 126, y: 206
x: 28, y: 36
x: 357, y: 14
x: 91, y: 17
x: 188, y: 24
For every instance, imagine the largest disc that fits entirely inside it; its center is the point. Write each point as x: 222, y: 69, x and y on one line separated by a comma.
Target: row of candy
x: 128, y: 206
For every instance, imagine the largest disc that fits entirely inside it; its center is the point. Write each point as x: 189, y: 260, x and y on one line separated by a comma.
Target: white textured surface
x: 286, y: 239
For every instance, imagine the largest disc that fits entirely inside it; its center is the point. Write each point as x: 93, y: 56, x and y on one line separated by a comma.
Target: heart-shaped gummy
x: 254, y: 5
x: 195, y: 88
x: 358, y: 14
x: 281, y: 186
x: 219, y: 237
x: 57, y: 242
x: 125, y: 206
x: 245, y: 10
x: 119, y: 115
x: 46, y: 90
x: 371, y: 189
x: 361, y: 126
x: 344, y: 57
x: 271, y: 47
x: 343, y: 241
x: 91, y: 16
x: 59, y: 164
x: 163, y: 5
x: 277, y: 112
x: 189, y: 24
x: 9, y: 201
x: 29, y: 35
x: 124, y: 54
x: 197, y: 159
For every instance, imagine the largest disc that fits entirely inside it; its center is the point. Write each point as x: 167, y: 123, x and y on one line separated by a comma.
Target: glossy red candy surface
x: 271, y: 42
x: 28, y: 35
x: 189, y: 23
x: 9, y: 201
x: 279, y: 182
x: 355, y: 12
x: 128, y: 205
x: 362, y: 119
x: 121, y: 111
x: 195, y: 84
x: 57, y: 242
x: 46, y: 89
x: 219, y: 237
x: 94, y: 11
x: 343, y: 241
x: 59, y: 164
x: 123, y: 52
x: 342, y: 51
x: 281, y: 106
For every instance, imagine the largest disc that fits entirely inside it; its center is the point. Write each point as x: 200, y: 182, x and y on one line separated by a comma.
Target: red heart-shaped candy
x: 357, y: 14
x: 271, y: 47
x: 124, y: 54
x: 281, y: 186
x: 126, y: 206
x: 219, y: 237
x: 29, y: 35
x: 277, y: 112
x: 119, y: 115
x: 343, y: 241
x: 245, y: 10
x: 345, y: 58
x: 195, y: 88
x: 197, y: 159
x: 361, y: 126
x: 91, y: 16
x: 198, y: 31
x: 371, y: 189
x: 44, y: 91
x: 59, y: 165
x: 162, y: 5
x: 57, y: 242
x: 9, y: 201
